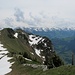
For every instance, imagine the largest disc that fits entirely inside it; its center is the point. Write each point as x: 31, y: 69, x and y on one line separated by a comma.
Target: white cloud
x: 54, y: 13
x: 19, y: 15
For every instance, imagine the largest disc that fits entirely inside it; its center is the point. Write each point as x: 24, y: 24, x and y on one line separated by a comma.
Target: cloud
x: 40, y: 20
x: 60, y: 8
x: 35, y: 20
x: 19, y: 15
x: 8, y: 22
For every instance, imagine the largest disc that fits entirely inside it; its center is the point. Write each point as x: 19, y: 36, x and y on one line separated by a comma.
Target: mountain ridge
x: 16, y: 41
x: 62, y: 39
x: 30, y: 46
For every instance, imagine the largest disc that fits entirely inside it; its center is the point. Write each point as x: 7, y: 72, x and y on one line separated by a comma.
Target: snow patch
x: 12, y: 63
x: 32, y: 53
x: 43, y: 40
x: 16, y: 35
x: 34, y: 39
x: 3, y: 52
x: 1, y: 56
x: 1, y: 47
x: 37, y: 52
x: 4, y: 64
x: 41, y: 50
x: 43, y: 57
x: 28, y: 59
x: 45, y: 44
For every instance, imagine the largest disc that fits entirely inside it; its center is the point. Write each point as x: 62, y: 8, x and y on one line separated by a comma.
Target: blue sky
x: 37, y: 13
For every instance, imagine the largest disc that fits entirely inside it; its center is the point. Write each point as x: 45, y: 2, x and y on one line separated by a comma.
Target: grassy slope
x: 19, y: 69
x: 12, y: 44
x: 16, y: 45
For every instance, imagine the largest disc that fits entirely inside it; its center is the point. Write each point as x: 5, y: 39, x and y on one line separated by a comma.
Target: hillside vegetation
x: 19, y: 69
x: 26, y: 48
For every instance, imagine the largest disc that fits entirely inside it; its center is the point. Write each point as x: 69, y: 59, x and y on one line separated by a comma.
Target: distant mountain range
x: 52, y: 32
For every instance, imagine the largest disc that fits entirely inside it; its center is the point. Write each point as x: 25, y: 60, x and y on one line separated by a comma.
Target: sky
x: 37, y: 13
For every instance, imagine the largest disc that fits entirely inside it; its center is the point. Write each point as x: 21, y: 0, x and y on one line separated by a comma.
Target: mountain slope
x: 16, y: 45
x: 25, y: 70
x: 62, y: 39
x: 27, y: 48
x: 29, y: 51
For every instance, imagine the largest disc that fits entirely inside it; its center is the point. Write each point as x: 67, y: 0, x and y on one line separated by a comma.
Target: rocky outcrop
x: 44, y: 49
x: 35, y: 66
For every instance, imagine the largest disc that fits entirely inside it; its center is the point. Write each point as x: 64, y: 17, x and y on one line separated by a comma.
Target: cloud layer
x: 19, y: 19
x: 37, y: 13
x: 19, y: 15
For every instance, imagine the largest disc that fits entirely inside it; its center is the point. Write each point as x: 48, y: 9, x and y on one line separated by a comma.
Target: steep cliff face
x: 44, y: 49
x: 30, y: 46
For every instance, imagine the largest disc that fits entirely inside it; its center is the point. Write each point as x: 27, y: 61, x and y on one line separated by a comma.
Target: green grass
x: 63, y: 70
x: 19, y: 69
x: 14, y: 45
